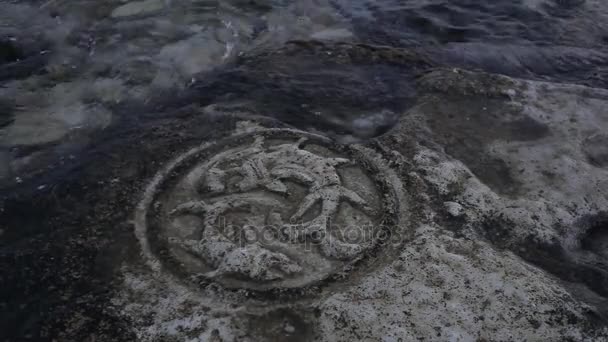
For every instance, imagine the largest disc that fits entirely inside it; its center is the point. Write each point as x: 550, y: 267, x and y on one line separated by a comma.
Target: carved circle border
x: 392, y: 200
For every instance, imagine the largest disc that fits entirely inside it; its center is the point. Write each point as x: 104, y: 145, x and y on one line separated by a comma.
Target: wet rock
x: 503, y: 153
x: 138, y: 8
x: 372, y: 124
x: 454, y: 209
x: 533, y: 204
x: 199, y: 53
x: 48, y: 116
x: 407, y: 303
x: 20, y: 59
x: 258, y: 256
x: 40, y: 127
x: 515, y: 256
x: 9, y: 52
x: 362, y: 95
x: 596, y: 149
x: 6, y: 113
x: 282, y: 324
x: 559, y: 63
x: 595, y: 238
x: 5, y: 170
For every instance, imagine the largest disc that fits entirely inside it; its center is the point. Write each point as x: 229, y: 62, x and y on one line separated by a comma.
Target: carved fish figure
x: 267, y: 168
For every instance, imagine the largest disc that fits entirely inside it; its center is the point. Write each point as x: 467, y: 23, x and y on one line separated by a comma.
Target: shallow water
x: 91, y: 56
x: 78, y: 78
x: 71, y: 68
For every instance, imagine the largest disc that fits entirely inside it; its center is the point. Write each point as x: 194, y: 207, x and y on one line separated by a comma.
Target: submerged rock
x: 6, y: 113
x: 342, y: 88
x: 21, y: 58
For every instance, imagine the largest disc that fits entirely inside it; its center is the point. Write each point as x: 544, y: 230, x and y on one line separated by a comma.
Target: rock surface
x: 499, y: 232
x: 488, y: 193
x: 596, y: 148
x: 497, y: 248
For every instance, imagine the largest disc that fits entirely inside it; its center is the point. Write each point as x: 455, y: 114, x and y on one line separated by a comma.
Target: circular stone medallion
x: 274, y: 209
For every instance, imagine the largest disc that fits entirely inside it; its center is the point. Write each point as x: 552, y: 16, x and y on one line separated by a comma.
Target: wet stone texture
x: 268, y: 210
x: 596, y: 149
x: 484, y: 209
x: 360, y: 91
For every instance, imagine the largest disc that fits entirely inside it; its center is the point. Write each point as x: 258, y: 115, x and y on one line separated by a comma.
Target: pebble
x: 453, y: 208
x: 290, y: 329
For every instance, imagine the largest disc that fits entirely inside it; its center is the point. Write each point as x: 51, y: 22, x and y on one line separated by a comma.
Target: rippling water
x: 543, y: 22
x: 69, y: 70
